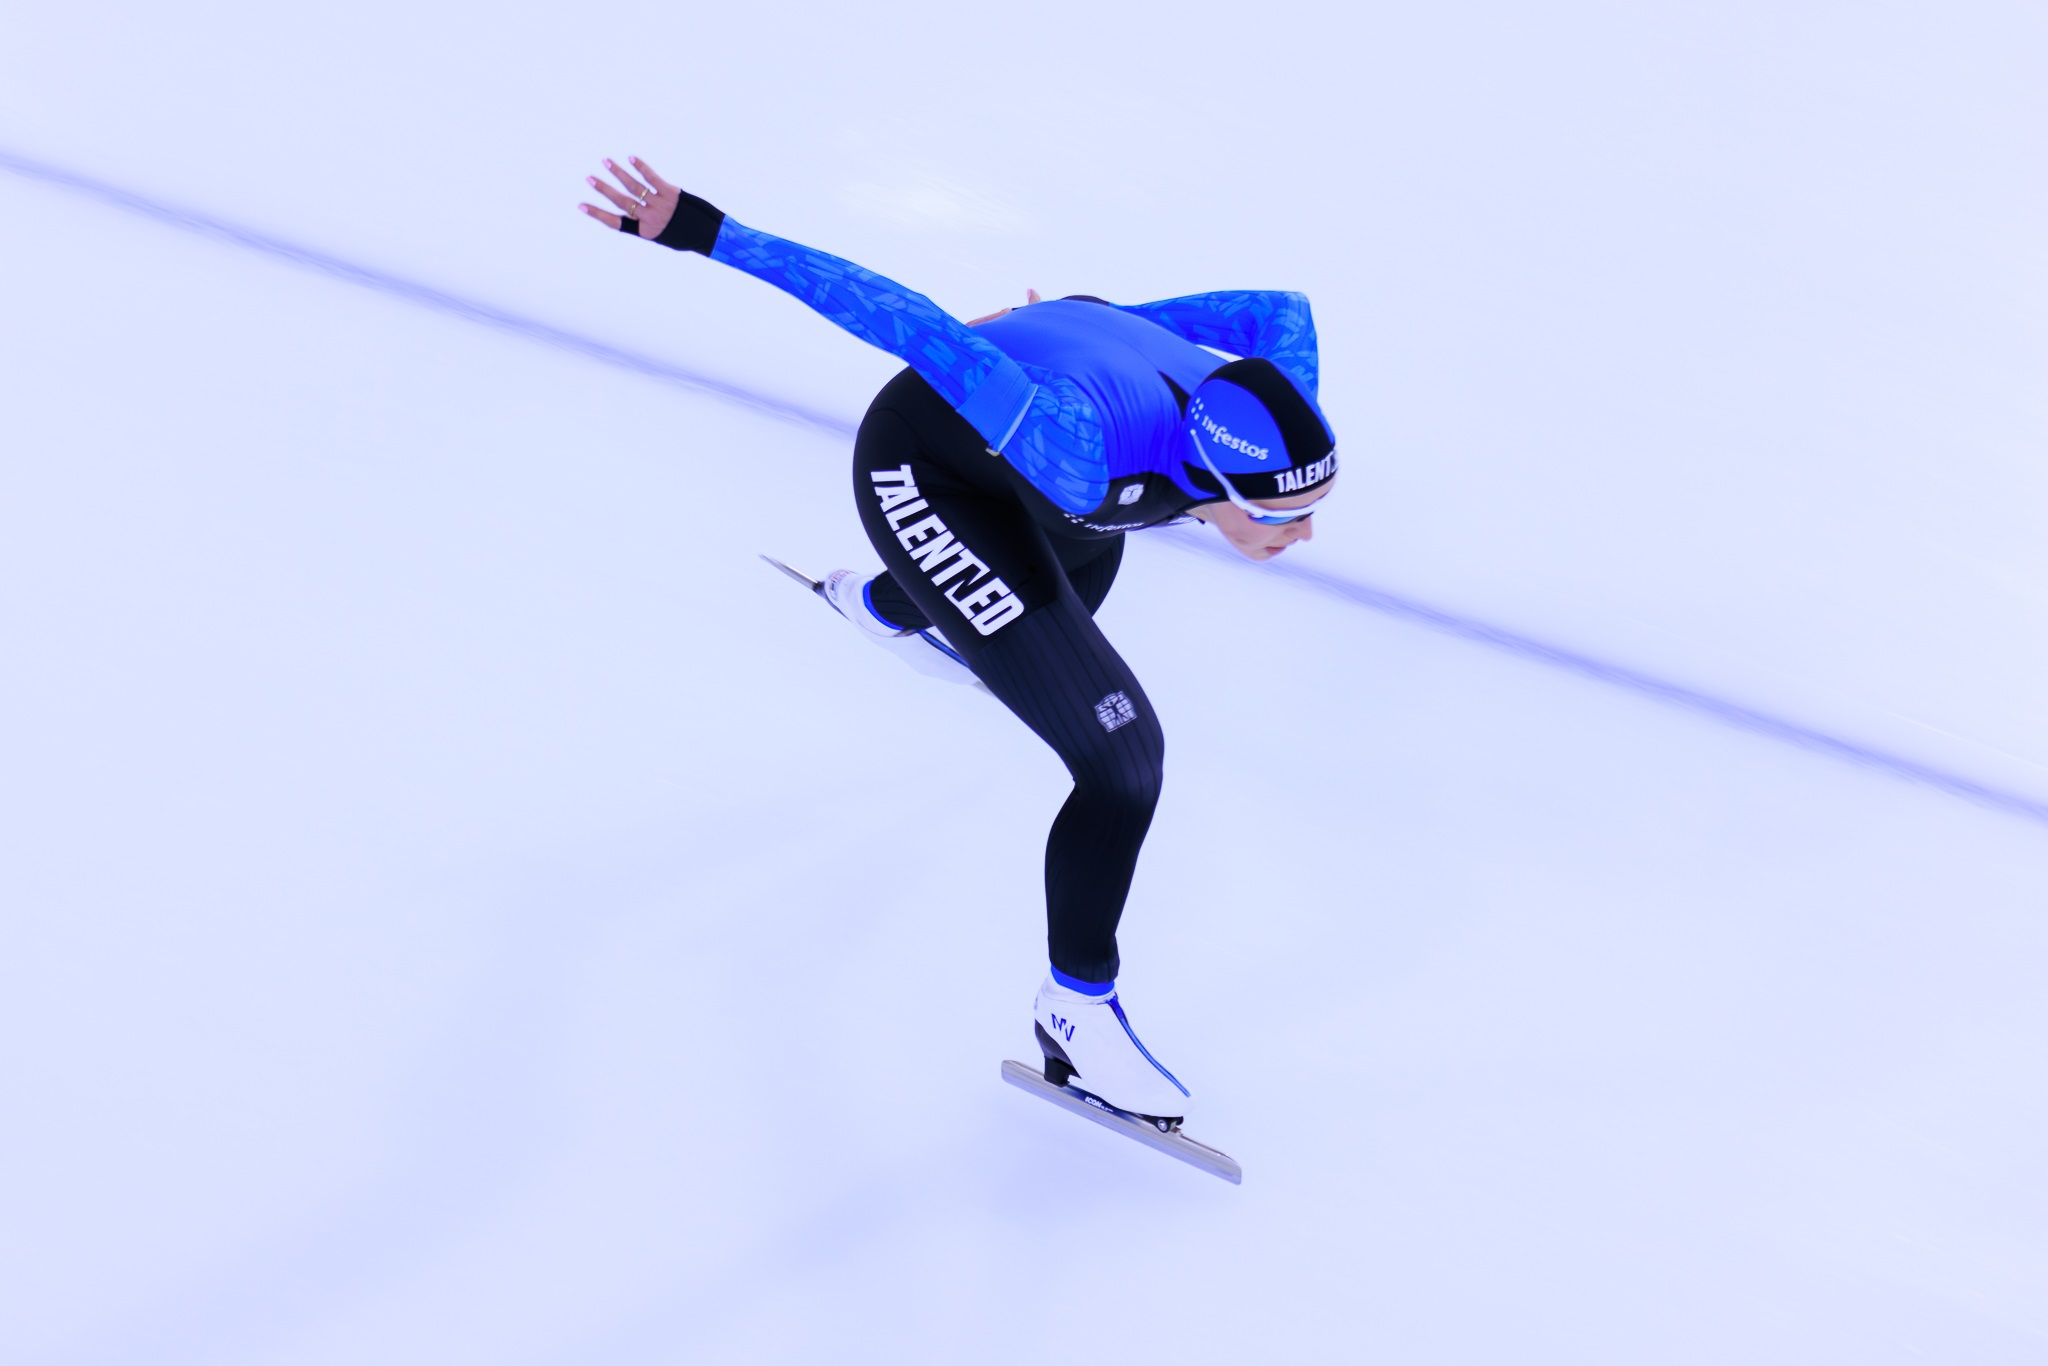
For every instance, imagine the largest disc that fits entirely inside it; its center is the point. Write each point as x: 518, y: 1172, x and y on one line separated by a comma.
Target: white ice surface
x: 459, y: 906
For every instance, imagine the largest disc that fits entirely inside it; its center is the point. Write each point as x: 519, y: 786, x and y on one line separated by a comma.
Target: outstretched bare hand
x: 651, y: 204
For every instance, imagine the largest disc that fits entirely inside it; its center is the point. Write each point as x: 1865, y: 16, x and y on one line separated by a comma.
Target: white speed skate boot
x: 925, y: 651
x: 1090, y: 1046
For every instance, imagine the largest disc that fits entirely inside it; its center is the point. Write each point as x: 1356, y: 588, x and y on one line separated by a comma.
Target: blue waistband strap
x: 1085, y: 988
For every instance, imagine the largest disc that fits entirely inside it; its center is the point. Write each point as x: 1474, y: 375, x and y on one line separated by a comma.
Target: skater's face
x: 1256, y: 540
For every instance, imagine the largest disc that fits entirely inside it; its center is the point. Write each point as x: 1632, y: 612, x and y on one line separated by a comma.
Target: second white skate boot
x: 925, y: 651
x: 1089, y: 1045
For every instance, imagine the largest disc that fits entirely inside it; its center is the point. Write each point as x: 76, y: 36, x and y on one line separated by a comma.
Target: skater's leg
x: 955, y: 555
x: 967, y: 557
x: 1091, y: 568
x: 1062, y: 678
x: 886, y: 440
x: 893, y: 605
x: 957, y: 551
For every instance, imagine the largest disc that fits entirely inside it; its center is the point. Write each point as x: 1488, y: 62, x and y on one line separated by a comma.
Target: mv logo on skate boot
x: 1063, y: 1028
x: 985, y: 600
x: 1115, y: 710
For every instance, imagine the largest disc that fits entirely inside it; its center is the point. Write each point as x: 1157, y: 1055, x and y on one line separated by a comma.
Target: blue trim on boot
x: 1096, y: 989
x: 1117, y: 1006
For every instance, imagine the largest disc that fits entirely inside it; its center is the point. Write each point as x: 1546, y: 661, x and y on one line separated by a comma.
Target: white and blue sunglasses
x: 1263, y: 516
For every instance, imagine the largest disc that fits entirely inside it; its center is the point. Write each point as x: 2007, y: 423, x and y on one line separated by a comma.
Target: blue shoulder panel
x: 1271, y: 323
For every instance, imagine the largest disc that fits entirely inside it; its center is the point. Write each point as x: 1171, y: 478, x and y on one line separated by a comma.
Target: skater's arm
x: 985, y: 386
x: 1269, y: 323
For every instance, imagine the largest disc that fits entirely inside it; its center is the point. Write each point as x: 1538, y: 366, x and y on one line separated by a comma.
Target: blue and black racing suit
x: 996, y: 477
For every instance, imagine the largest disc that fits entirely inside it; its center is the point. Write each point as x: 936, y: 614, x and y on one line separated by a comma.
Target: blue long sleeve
x: 1270, y: 323
x: 1061, y: 449
x: 985, y: 386
x: 1080, y: 409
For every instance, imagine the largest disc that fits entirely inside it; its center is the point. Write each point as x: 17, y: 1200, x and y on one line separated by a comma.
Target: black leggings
x: 964, y: 554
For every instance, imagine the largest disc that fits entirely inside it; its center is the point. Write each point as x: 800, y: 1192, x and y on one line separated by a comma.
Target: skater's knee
x: 1128, y: 782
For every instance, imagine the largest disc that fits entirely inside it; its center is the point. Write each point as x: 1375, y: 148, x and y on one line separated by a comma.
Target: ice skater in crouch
x: 996, y: 477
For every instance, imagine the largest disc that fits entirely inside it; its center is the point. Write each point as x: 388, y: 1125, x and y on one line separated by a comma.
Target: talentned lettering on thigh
x: 984, y: 599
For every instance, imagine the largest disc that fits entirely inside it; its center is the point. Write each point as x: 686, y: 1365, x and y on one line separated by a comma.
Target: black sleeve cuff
x: 693, y: 227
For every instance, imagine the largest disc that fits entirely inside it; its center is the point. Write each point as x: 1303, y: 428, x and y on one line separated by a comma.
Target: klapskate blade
x: 1173, y: 1145
x: 805, y: 579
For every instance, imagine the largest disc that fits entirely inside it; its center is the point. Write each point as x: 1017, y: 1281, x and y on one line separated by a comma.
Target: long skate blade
x: 1175, y: 1144
x: 805, y: 579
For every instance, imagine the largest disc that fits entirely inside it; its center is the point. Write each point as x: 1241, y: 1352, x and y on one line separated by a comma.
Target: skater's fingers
x: 652, y: 177
x: 1031, y: 296
x: 624, y: 203
x: 610, y: 220
x: 625, y: 177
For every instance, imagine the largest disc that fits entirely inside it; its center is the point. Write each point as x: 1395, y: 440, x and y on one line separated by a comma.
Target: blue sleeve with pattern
x: 1061, y: 448
x: 985, y: 386
x: 1271, y: 323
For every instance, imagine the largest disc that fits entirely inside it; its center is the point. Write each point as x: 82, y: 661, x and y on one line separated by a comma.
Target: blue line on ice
x: 1674, y: 694
x: 1358, y: 594
x: 413, y: 292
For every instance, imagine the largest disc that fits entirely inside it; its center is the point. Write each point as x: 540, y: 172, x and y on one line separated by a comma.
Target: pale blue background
x: 458, y: 906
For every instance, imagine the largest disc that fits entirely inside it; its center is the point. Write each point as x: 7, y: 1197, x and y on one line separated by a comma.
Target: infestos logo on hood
x: 1222, y: 437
